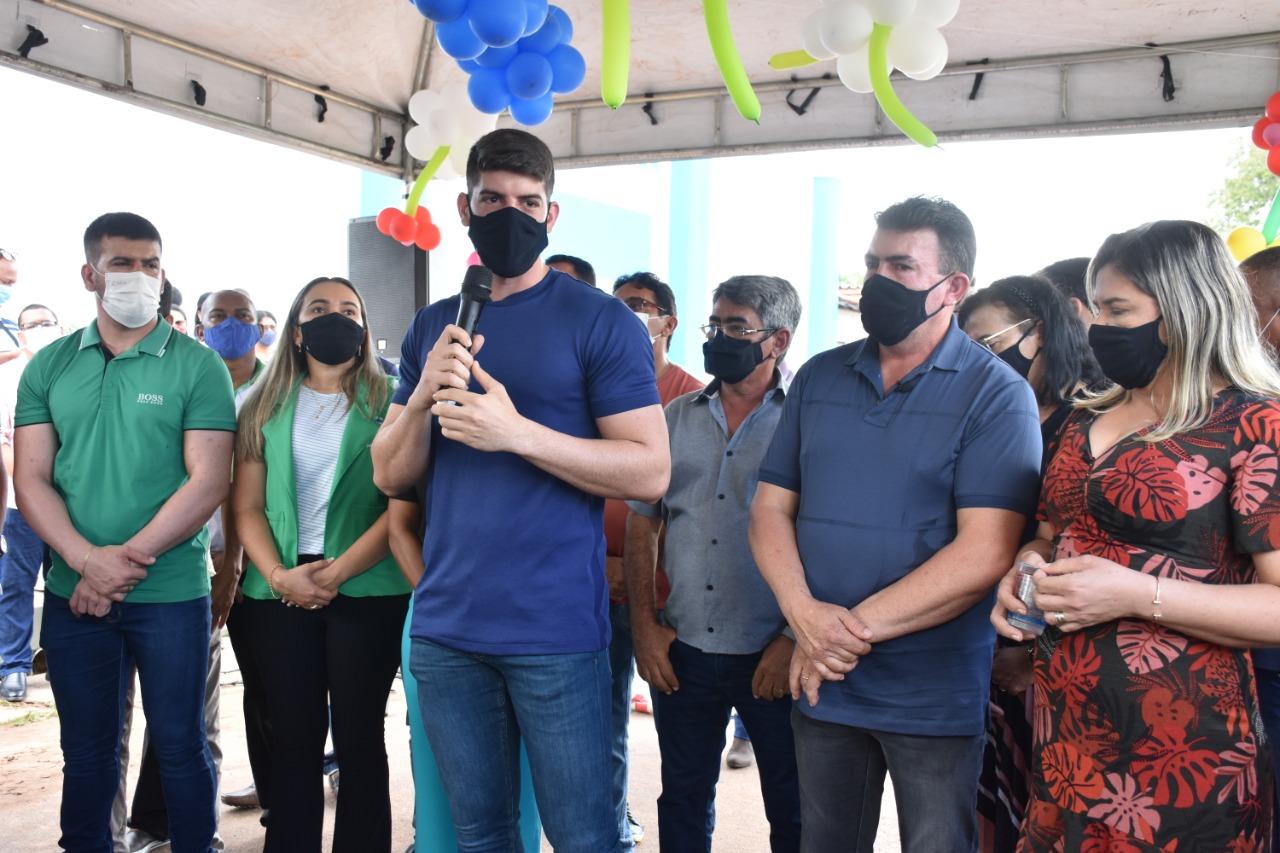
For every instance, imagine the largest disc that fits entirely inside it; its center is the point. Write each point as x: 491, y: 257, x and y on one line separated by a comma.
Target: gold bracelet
x: 84, y: 564
x: 1156, y: 615
x: 277, y: 567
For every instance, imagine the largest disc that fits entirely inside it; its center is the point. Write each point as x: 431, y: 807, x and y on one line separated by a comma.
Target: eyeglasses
x: 990, y: 340
x: 7, y: 256
x: 43, y: 324
x: 639, y: 303
x: 733, y: 330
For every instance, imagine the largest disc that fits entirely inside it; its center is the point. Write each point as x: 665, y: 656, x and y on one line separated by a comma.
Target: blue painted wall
x: 687, y: 271
x: 615, y: 240
x: 824, y: 274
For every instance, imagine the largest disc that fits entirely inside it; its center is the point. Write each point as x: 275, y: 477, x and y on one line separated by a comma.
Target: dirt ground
x: 31, y: 779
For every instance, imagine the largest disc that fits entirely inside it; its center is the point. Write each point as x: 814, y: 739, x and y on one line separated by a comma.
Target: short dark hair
x: 166, y: 298
x: 177, y: 294
x: 1068, y: 359
x: 1069, y: 277
x: 662, y: 292
x: 1265, y: 263
x: 264, y: 314
x: 957, y: 244
x: 585, y: 272
x: 177, y: 309
x: 131, y: 226
x: 510, y: 150
x: 36, y: 306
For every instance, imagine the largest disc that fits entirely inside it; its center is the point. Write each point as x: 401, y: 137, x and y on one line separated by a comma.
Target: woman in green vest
x: 324, y: 600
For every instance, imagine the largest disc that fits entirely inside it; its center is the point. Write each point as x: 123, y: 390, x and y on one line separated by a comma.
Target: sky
x: 240, y: 213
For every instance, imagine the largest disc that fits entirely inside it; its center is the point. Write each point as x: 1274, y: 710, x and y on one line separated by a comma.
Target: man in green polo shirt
x: 123, y: 437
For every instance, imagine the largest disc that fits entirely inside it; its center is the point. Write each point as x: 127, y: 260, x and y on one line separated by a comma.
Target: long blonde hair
x: 1209, y: 319
x: 288, y: 368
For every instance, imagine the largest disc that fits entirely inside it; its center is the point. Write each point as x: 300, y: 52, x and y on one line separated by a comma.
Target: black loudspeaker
x: 393, y: 279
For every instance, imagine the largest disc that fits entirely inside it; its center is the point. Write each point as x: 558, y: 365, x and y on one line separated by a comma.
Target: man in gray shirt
x: 720, y: 642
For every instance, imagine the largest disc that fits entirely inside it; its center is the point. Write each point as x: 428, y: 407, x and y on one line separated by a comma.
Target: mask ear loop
x: 932, y: 289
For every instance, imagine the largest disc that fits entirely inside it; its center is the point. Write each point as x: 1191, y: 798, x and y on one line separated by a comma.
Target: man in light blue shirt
x: 720, y: 642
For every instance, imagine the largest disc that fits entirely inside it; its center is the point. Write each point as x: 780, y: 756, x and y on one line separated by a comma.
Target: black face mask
x: 1013, y: 356
x: 891, y: 311
x: 1129, y: 357
x: 508, y: 241
x: 731, y: 360
x: 332, y: 338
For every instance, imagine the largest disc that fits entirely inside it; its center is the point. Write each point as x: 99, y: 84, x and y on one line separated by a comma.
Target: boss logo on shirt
x: 151, y: 399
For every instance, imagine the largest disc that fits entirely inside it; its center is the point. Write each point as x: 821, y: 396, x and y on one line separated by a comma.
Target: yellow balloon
x: 1275, y: 244
x: 1244, y: 242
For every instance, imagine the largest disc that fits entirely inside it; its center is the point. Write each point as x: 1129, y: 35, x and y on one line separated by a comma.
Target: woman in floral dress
x: 1161, y: 515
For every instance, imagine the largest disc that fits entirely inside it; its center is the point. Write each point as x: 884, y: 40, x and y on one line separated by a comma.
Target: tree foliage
x: 1245, y: 197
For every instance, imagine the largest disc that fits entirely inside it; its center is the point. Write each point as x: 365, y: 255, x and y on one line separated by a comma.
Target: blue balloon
x: 488, y: 91
x: 529, y: 76
x: 457, y: 39
x: 536, y: 13
x: 530, y: 113
x: 498, y: 57
x: 562, y: 18
x: 568, y: 69
x: 498, y: 23
x: 544, y: 39
x: 470, y: 66
x: 442, y: 11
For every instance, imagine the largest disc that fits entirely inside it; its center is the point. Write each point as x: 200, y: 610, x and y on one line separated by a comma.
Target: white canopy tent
x: 1061, y: 68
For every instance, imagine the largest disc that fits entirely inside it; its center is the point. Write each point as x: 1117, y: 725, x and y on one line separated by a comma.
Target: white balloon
x: 813, y: 36
x: 845, y: 27
x: 936, y: 13
x: 854, y: 70
x: 458, y: 155
x: 446, y: 171
x: 890, y: 12
x: 418, y: 143
x: 915, y: 48
x: 444, y: 125
x: 931, y: 72
x: 423, y: 104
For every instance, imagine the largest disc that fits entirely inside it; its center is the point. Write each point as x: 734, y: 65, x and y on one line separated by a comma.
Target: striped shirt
x: 318, y: 424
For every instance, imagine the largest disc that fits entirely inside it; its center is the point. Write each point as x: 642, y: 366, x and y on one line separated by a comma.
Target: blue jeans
x: 18, y: 570
x: 621, y: 665
x: 842, y: 770
x: 691, y: 733
x: 1269, y: 705
x: 89, y: 664
x: 477, y: 707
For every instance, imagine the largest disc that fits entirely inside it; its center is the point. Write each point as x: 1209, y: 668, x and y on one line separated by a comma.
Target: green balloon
x: 616, y: 59
x: 727, y: 58
x: 887, y: 98
x: 1272, y: 228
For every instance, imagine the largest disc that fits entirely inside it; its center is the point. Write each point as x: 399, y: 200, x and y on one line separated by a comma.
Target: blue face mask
x: 269, y: 337
x: 5, y: 293
x: 232, y: 338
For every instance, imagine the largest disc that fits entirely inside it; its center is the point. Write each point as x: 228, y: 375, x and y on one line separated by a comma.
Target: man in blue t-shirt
x: 891, y: 501
x: 518, y: 436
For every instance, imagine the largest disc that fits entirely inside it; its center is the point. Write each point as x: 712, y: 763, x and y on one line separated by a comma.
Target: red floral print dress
x: 1144, y: 738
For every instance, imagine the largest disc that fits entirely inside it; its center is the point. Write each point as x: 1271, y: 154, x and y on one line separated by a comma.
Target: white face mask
x: 40, y: 337
x: 132, y: 299
x: 644, y: 321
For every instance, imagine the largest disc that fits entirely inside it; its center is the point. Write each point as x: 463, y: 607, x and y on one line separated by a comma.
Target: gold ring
x: 1059, y: 617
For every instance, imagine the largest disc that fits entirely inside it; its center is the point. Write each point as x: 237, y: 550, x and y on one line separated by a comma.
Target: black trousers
x: 343, y: 656
x: 257, y: 726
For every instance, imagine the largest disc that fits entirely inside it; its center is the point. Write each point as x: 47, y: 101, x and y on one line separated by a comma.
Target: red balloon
x: 428, y: 237
x: 1273, y: 160
x: 404, y: 228
x: 385, y: 218
x: 422, y: 214
x: 1259, y: 131
x: 1273, y: 107
x: 1271, y: 136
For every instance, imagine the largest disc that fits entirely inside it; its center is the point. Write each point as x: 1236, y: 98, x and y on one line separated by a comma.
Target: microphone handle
x: 468, y: 318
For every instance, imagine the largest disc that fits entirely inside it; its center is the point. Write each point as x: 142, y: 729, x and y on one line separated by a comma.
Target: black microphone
x: 476, y: 287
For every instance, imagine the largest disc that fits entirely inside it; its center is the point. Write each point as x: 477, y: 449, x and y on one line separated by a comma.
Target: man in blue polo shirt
x: 558, y: 411
x: 890, y: 503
